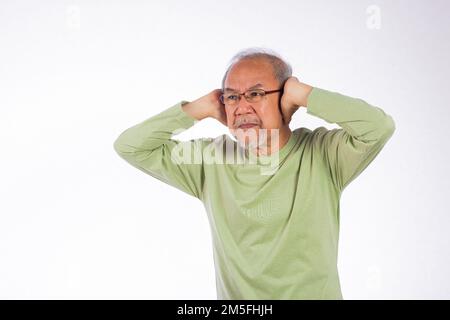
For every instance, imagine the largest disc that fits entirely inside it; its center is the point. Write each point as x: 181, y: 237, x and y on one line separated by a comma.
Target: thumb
x: 284, y: 117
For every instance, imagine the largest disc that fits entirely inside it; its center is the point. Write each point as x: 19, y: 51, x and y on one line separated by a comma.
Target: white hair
x: 282, y: 70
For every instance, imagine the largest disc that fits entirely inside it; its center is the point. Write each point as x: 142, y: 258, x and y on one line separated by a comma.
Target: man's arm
x: 149, y: 146
x: 365, y: 130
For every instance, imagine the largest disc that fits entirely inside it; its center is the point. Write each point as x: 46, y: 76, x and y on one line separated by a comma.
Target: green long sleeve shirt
x: 275, y: 232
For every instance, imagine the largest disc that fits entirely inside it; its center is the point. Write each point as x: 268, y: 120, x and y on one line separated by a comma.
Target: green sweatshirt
x: 275, y: 221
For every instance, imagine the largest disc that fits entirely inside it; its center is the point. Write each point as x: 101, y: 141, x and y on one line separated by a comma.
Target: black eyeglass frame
x: 221, y: 98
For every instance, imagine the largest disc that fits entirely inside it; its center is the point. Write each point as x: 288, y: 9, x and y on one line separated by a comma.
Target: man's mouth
x: 247, y: 125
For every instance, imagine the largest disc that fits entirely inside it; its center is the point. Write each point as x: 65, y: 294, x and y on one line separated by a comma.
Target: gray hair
x: 282, y: 70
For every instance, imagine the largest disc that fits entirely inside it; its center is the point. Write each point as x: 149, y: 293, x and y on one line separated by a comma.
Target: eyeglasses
x: 254, y: 95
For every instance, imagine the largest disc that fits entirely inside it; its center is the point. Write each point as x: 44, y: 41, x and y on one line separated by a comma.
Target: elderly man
x: 275, y: 231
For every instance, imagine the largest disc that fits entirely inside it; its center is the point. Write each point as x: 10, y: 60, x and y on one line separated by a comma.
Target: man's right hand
x: 207, y: 106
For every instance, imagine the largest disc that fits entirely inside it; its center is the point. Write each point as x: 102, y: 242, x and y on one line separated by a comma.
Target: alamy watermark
x: 73, y: 20
x: 221, y: 150
x: 373, y: 21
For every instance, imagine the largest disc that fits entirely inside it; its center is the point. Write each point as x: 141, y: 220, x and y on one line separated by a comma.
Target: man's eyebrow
x: 252, y: 87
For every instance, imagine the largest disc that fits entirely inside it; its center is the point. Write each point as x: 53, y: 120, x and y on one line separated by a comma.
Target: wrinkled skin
x: 266, y: 113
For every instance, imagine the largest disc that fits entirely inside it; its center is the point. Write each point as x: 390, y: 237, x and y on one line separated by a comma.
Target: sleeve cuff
x: 316, y: 101
x: 182, y: 117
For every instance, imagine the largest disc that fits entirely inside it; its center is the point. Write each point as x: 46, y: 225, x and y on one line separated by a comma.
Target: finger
x: 288, y: 119
x: 283, y: 118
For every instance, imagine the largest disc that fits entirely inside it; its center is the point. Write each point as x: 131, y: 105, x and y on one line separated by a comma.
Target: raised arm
x: 365, y: 129
x: 149, y: 146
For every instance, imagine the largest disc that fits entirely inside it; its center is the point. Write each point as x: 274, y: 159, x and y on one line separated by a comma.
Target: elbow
x: 119, y: 146
x: 116, y: 146
x: 388, y: 127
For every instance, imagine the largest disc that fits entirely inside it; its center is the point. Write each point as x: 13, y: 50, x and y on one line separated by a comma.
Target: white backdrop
x: 77, y: 221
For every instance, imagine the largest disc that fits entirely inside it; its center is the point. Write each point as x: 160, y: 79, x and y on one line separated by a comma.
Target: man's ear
x: 281, y: 94
x: 279, y: 101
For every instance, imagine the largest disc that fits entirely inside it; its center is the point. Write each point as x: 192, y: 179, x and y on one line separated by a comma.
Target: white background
x: 77, y: 221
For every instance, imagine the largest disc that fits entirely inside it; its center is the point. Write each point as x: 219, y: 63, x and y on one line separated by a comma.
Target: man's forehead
x: 257, y: 85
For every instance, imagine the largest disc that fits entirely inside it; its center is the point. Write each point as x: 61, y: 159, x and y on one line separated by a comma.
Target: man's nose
x: 243, y: 106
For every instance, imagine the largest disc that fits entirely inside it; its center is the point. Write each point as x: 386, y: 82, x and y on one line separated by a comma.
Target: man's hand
x: 207, y: 106
x: 295, y: 95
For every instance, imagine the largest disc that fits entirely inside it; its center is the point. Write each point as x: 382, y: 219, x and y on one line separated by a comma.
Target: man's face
x: 265, y: 114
